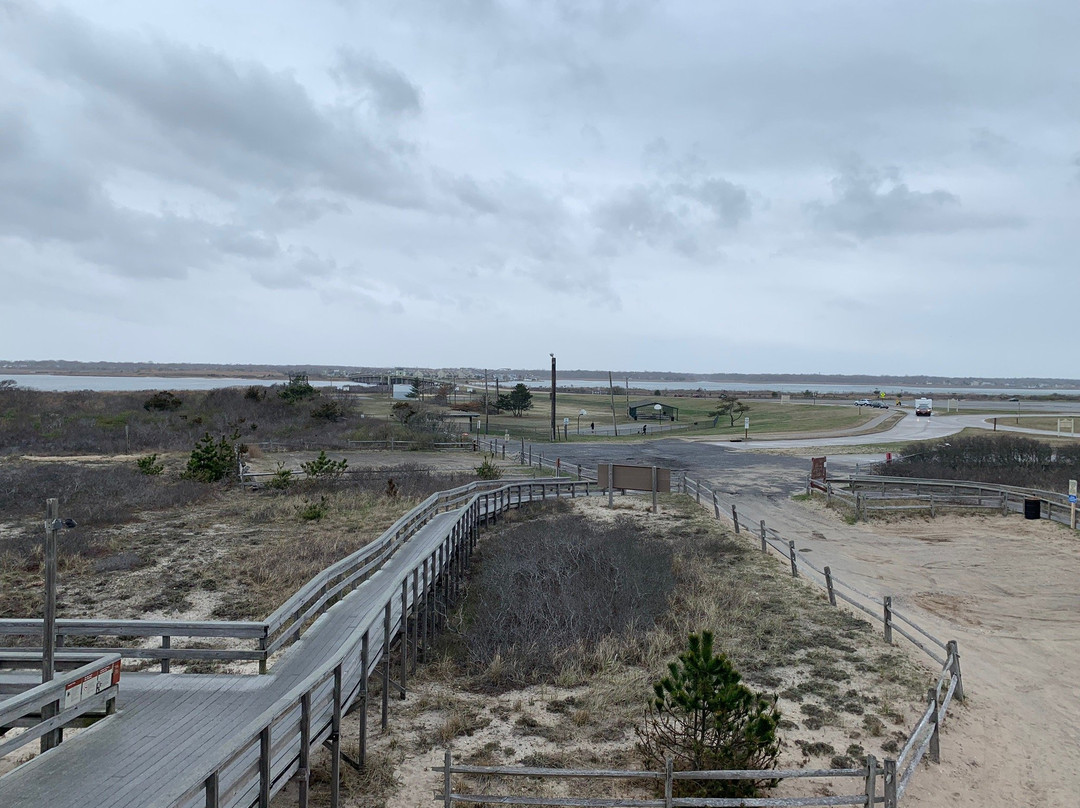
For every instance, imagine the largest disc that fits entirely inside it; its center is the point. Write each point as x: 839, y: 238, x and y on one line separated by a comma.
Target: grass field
x: 765, y: 416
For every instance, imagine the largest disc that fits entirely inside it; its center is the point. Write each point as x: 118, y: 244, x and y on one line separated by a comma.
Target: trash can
x: 1032, y: 508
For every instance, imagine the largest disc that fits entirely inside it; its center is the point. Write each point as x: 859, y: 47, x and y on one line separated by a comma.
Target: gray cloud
x: 869, y: 202
x: 433, y: 162
x: 385, y: 87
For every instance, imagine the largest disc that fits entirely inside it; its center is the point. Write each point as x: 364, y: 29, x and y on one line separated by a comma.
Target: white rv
x: 924, y: 406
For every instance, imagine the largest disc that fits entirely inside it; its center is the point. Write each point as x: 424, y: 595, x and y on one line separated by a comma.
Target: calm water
x: 66, y: 383
x: 125, y: 383
x: 801, y: 387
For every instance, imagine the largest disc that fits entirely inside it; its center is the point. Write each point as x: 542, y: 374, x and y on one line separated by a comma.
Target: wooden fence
x: 868, y: 494
x: 276, y: 746
x: 885, y: 784
x: 265, y: 637
x: 89, y: 689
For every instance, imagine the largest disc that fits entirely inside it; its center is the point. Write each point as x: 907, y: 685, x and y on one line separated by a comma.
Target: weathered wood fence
x: 884, y: 784
x: 869, y: 494
x: 263, y: 638
x: 86, y: 690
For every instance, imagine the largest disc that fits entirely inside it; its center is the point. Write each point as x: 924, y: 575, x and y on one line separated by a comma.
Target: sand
x: 1007, y: 590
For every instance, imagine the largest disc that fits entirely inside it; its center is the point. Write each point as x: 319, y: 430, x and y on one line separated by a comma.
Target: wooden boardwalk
x: 171, y: 729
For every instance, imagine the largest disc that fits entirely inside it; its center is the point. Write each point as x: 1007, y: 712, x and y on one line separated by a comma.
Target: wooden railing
x: 266, y: 636
x: 405, y: 605
x: 866, y: 776
x: 49, y: 707
x: 865, y: 494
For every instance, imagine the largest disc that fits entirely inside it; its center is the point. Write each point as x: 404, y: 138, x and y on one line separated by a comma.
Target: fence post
x: 829, y: 586
x: 952, y: 650
x: 887, y: 608
x: 735, y: 518
x: 890, y: 783
x: 858, y: 505
x: 791, y: 552
x: 447, y: 801
x: 669, y: 767
x: 404, y: 633
x: 931, y: 504
x: 871, y: 780
x: 935, y: 738
x: 264, y: 768
x: 166, y: 643
x: 335, y: 742
x: 386, y: 665
x: 828, y: 493
x: 716, y: 505
x: 763, y: 545
x: 365, y: 662
x: 1004, y: 503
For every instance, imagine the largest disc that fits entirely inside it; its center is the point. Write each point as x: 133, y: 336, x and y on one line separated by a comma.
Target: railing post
x: 424, y: 613
x: 335, y: 743
x: 735, y: 518
x: 716, y: 506
x: 871, y: 780
x: 414, y: 622
x: 791, y: 552
x: 890, y: 783
x: 264, y: 767
x: 303, y: 772
x: 404, y: 634
x: 829, y: 586
x: 935, y: 737
x: 386, y: 665
x: 669, y: 784
x: 262, y: 659
x: 952, y: 650
x: 764, y: 547
x: 166, y: 643
x: 212, y: 790
x: 858, y: 505
x: 447, y: 800
x: 365, y: 663
x: 887, y: 609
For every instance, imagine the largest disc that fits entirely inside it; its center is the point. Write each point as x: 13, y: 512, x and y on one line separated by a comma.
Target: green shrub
x: 313, y: 511
x: 332, y: 411
x: 488, y: 470
x: 298, y: 389
x: 281, y: 478
x: 149, y: 465
x: 703, y: 717
x: 322, y: 466
x: 211, y: 460
x: 163, y: 400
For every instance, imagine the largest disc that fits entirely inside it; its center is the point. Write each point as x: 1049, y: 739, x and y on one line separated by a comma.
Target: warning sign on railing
x: 93, y: 683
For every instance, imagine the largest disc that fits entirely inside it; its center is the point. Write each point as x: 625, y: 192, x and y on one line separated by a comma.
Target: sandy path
x: 1006, y: 590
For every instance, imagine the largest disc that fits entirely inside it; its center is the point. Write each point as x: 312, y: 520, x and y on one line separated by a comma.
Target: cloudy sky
x: 834, y: 186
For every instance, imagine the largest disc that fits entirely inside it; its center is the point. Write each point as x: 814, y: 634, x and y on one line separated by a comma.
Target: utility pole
x: 554, y: 432
x: 611, y: 390
x: 486, y: 419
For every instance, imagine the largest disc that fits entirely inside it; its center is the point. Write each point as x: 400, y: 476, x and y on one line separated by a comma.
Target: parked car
x: 862, y: 402
x: 879, y: 405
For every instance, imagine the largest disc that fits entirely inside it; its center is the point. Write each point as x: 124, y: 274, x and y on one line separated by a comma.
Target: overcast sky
x: 832, y: 186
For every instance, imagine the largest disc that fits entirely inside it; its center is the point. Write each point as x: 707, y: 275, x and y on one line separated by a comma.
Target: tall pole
x: 485, y: 404
x: 611, y: 389
x: 554, y: 432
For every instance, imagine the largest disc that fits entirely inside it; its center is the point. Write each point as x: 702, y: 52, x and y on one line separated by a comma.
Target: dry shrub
x: 548, y: 591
